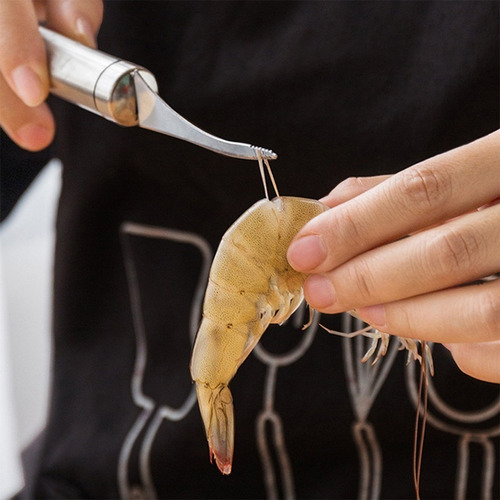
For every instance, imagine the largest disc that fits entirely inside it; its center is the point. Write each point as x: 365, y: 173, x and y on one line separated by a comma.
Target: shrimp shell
x: 250, y: 286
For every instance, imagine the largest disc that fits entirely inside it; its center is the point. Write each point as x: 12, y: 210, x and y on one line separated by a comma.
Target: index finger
x: 22, y: 53
x: 430, y: 192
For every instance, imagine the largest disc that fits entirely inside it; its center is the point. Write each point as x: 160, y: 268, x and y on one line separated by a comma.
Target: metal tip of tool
x: 266, y: 153
x: 155, y: 114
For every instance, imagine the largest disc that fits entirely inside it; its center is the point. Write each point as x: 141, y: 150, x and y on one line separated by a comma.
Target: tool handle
x: 92, y: 79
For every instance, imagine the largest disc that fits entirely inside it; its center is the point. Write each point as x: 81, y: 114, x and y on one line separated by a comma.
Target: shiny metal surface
x: 155, y: 114
x: 126, y: 94
x: 93, y: 79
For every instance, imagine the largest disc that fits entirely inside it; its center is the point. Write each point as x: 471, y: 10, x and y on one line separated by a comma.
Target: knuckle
x: 361, y: 284
x: 351, y: 232
x: 489, y: 314
x: 454, y: 250
x: 425, y: 188
x: 406, y: 324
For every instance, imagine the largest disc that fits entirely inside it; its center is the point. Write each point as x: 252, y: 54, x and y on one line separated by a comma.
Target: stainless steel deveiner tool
x: 125, y: 93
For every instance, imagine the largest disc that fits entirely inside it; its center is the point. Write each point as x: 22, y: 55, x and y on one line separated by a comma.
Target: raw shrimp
x: 250, y: 286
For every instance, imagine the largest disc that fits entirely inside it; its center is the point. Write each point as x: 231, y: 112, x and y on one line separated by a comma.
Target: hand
x: 24, y: 79
x: 358, y: 257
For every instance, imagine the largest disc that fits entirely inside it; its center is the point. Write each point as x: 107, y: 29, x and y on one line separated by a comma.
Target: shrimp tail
x: 216, y: 407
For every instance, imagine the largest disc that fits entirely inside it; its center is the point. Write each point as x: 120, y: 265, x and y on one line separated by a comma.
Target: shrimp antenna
x: 263, y: 174
x: 271, y: 176
x: 418, y: 445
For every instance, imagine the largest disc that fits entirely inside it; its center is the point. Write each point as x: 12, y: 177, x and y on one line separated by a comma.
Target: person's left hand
x: 358, y: 257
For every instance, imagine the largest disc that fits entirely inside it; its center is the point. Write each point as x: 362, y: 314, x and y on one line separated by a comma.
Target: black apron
x: 337, y: 89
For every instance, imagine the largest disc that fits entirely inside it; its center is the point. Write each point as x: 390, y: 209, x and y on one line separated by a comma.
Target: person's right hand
x: 24, y: 79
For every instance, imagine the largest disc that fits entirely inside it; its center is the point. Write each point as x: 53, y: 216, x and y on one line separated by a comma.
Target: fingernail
x: 32, y: 135
x: 84, y: 32
x: 28, y: 85
x: 319, y: 291
x: 307, y: 253
x: 373, y: 315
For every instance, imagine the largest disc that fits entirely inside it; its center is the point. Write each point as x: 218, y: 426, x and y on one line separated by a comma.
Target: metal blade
x: 155, y: 114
